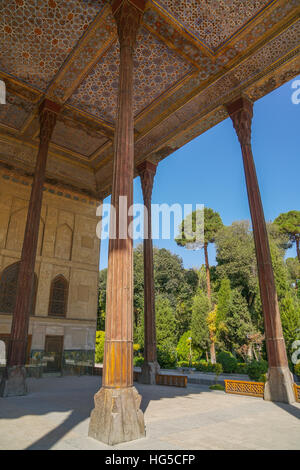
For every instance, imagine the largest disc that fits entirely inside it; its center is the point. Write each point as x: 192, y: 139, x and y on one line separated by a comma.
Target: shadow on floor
x: 74, y: 395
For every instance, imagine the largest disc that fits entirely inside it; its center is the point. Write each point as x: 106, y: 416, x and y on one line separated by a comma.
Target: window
x: 8, y: 289
x: 58, y: 297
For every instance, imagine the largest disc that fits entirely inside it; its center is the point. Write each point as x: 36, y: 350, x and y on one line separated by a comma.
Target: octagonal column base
x: 148, y: 373
x: 117, y: 416
x: 279, y: 385
x: 13, y: 383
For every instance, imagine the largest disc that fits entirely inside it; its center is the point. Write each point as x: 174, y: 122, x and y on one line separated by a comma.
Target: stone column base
x: 279, y: 385
x: 13, y: 383
x: 148, y: 373
x: 117, y: 416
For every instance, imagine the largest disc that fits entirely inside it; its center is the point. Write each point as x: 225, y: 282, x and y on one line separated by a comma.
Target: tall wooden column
x: 279, y: 386
x: 117, y: 416
x: 14, y: 379
x: 150, y: 367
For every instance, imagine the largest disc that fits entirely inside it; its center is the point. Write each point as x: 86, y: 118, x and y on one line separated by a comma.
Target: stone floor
x: 55, y: 415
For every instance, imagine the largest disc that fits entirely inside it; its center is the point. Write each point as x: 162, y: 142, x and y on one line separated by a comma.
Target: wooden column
x: 14, y: 380
x: 279, y: 385
x: 116, y: 416
x: 150, y: 367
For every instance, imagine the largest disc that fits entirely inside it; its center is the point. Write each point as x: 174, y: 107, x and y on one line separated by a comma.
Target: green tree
x: 290, y: 318
x: 99, y: 346
x: 199, y: 326
x: 224, y: 299
x: 289, y: 223
x: 165, y: 321
x: 235, y: 255
x: 293, y: 269
x: 184, y: 347
x: 212, y: 224
x: 101, y: 300
x: 238, y: 322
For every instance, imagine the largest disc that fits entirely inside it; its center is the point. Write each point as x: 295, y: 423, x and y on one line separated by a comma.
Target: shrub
x: 218, y: 369
x: 241, y: 368
x: 138, y: 361
x: 297, y: 369
x: 99, y: 346
x: 136, y: 348
x: 257, y: 369
x: 228, y: 361
x: 204, y: 366
x: 166, y: 356
x: 217, y: 387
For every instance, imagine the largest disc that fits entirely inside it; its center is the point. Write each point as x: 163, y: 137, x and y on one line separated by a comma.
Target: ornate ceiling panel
x: 15, y: 112
x: 157, y: 68
x: 36, y: 37
x: 191, y: 57
x: 213, y: 21
x: 76, y: 139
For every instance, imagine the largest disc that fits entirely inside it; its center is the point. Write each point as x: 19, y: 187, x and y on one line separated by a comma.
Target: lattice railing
x: 297, y: 392
x: 253, y: 389
x: 171, y: 380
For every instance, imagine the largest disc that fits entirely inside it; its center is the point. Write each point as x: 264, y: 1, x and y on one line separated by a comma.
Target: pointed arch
x: 58, y: 296
x: 8, y: 289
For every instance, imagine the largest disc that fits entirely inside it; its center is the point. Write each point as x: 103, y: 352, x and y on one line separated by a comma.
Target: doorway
x: 54, y: 346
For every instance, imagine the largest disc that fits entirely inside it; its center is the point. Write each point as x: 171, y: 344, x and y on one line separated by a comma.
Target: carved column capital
x: 146, y: 171
x: 241, y: 113
x: 128, y: 15
x: 48, y: 112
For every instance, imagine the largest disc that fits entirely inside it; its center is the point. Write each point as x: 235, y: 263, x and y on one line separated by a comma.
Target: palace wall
x: 68, y: 247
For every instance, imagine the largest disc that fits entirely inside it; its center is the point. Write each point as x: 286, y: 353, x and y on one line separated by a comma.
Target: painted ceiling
x: 190, y: 58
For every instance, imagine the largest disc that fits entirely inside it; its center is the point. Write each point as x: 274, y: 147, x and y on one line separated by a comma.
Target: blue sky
x: 209, y: 171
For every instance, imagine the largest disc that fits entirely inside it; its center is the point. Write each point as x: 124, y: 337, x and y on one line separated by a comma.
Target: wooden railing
x: 240, y: 387
x: 171, y: 380
x: 297, y: 392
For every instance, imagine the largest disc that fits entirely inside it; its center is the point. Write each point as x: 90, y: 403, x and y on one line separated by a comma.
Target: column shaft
x: 116, y: 416
x: 20, y: 322
x: 150, y: 367
x: 279, y: 385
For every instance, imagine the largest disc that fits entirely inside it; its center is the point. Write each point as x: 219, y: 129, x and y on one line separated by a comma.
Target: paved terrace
x: 55, y: 415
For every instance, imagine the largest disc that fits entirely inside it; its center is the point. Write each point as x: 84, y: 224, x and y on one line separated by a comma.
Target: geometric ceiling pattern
x: 33, y: 39
x: 208, y: 20
x: 191, y: 57
x: 156, y: 69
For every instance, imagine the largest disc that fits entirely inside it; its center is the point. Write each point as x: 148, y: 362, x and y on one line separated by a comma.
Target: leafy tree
x: 101, y: 300
x: 238, y: 322
x: 289, y: 223
x: 183, y: 315
x: 199, y: 326
x: 224, y: 299
x: 293, y: 269
x: 211, y: 321
x: 236, y: 258
x: 165, y: 321
x: 99, y: 347
x: 212, y: 223
x: 184, y: 347
x: 290, y: 318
